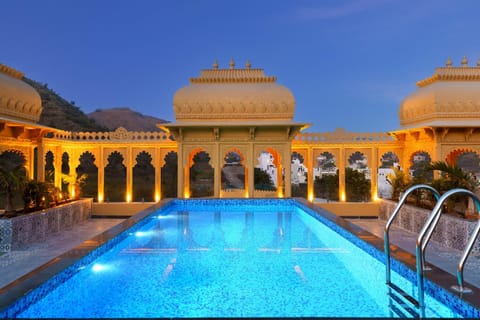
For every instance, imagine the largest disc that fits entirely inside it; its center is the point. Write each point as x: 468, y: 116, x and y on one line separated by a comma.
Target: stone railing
x: 121, y: 134
x: 19, y: 231
x: 451, y: 232
x: 340, y: 135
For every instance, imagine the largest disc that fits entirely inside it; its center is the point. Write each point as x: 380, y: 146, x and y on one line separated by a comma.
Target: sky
x: 349, y: 63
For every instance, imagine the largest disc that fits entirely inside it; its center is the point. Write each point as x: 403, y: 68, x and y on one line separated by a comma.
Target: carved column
x: 341, y: 175
x: 40, y: 160
x: 157, y: 164
x: 217, y: 174
x: 74, y: 162
x: 129, y: 194
x: 58, y: 166
x: 287, y: 161
x: 310, y: 180
x: 374, y: 174
x: 101, y: 176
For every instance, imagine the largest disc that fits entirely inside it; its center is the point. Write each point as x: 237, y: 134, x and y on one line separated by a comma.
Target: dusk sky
x: 349, y: 63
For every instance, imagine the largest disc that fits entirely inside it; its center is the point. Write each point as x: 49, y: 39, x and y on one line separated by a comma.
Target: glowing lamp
x: 310, y: 197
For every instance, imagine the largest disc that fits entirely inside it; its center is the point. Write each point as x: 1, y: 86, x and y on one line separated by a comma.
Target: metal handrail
x: 426, y: 234
x: 386, y: 237
x: 386, y: 241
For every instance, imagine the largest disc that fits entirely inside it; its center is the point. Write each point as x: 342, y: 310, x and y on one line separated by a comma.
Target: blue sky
x: 349, y: 63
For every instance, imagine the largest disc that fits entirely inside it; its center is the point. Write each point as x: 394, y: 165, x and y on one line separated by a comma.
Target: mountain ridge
x: 62, y: 114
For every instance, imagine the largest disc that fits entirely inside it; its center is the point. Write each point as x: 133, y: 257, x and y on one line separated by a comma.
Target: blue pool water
x: 221, y: 260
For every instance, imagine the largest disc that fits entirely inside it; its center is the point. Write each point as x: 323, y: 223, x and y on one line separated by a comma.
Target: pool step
x: 403, y: 300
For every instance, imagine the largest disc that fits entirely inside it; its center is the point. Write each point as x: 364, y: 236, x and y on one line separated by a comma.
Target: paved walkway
x: 17, y: 263
x: 443, y: 258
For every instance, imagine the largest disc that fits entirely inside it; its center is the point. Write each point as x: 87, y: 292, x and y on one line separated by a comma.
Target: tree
x: 399, y: 182
x: 452, y: 177
x: 326, y: 187
x: 262, y: 180
x: 12, y: 177
x: 357, y: 186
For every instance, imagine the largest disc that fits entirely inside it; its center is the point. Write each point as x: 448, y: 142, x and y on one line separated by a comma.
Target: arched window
x: 233, y: 172
x: 115, y: 178
x: 201, y: 176
x: 143, y: 178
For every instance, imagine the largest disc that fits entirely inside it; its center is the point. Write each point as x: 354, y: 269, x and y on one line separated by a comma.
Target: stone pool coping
x: 23, y: 291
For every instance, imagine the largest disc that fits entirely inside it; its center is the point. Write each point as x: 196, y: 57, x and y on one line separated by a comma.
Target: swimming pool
x: 227, y: 258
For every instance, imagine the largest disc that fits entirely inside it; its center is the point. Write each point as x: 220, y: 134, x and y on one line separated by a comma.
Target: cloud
x: 337, y: 10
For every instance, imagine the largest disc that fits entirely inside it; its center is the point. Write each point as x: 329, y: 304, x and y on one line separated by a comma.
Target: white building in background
x: 298, y: 172
x: 265, y: 163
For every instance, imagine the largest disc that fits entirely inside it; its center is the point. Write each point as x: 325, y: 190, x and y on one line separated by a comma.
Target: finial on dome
x: 215, y: 64
x: 449, y: 62
x: 232, y: 64
x: 464, y: 61
x: 248, y: 65
x: 478, y: 63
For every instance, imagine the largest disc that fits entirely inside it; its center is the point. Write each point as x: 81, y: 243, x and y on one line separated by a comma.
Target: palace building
x: 234, y: 136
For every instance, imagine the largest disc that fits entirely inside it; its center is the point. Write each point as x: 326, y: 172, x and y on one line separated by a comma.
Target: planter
x: 451, y: 231
x: 19, y: 231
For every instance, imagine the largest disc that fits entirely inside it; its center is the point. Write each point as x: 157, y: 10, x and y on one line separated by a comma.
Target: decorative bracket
x: 216, y: 133
x: 251, y: 130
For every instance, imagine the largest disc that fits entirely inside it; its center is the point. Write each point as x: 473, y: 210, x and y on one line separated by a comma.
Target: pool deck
x: 17, y: 263
x: 435, y: 254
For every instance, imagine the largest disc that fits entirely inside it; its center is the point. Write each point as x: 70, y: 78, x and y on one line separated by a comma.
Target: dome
x: 18, y: 100
x: 449, y: 98
x: 233, y: 95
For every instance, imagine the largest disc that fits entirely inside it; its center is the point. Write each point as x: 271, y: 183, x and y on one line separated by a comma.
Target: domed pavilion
x: 442, y: 117
x: 234, y: 113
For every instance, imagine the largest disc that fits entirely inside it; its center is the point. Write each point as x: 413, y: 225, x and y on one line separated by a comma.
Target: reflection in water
x: 218, y: 237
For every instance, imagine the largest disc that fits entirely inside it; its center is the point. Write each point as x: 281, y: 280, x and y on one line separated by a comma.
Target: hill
x: 125, y: 117
x: 60, y: 113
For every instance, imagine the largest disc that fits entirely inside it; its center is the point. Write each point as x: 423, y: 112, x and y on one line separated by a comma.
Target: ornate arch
x: 453, y: 155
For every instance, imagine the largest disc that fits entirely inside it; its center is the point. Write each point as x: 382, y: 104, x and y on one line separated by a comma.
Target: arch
x: 169, y: 173
x: 388, y: 161
x: 13, y: 156
x: 357, y: 178
x: 325, y: 173
x: 201, y: 175
x: 299, y: 175
x: 65, y: 170
x: 49, y: 167
x: 143, y: 178
x: 419, y: 160
x: 470, y: 162
x: 265, y: 172
x: 115, y: 178
x: 87, y: 168
x: 233, y: 170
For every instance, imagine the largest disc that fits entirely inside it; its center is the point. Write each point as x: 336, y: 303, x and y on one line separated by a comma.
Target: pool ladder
x: 397, y: 296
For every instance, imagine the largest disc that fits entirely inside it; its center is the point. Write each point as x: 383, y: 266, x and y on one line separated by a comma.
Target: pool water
x: 228, y: 261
